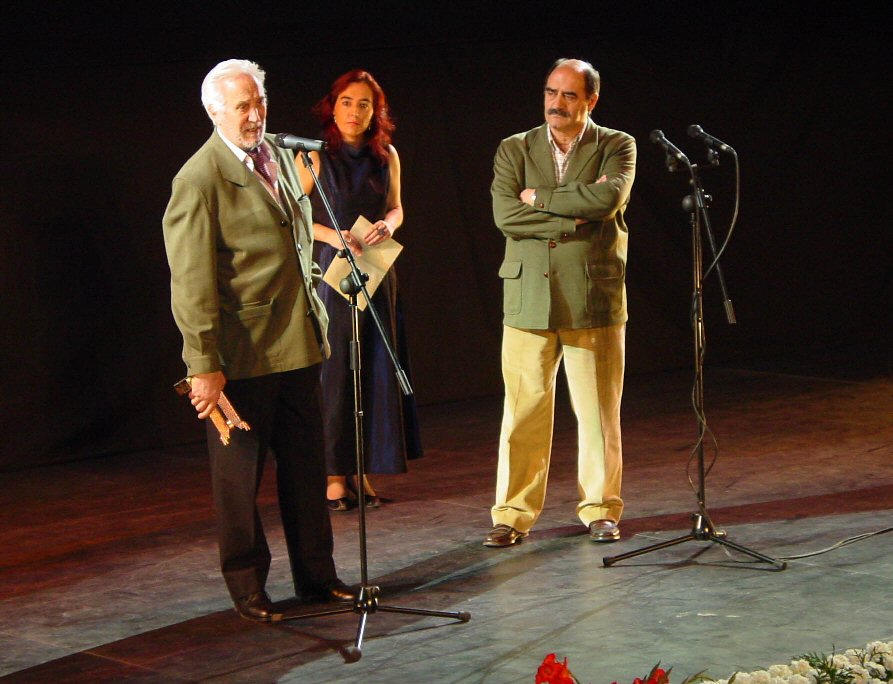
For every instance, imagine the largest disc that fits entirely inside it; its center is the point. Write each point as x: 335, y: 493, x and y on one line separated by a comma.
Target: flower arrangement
x: 552, y: 672
x: 870, y: 665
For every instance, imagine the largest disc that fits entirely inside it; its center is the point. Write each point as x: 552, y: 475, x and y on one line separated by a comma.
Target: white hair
x: 212, y: 94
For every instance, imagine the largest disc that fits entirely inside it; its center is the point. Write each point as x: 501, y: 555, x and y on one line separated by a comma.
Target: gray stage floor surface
x: 109, y: 570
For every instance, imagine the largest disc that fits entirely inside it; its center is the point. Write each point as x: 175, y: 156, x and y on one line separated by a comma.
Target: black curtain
x: 101, y: 107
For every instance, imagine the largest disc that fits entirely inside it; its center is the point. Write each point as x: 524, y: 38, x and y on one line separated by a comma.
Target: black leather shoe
x: 256, y: 606
x: 604, y: 531
x: 342, y: 504
x: 335, y: 591
x: 503, y: 535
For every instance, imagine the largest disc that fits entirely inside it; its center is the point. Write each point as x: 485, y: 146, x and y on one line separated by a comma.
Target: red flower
x: 658, y: 676
x: 553, y: 672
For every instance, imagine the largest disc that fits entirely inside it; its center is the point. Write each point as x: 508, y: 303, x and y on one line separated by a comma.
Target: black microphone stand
x: 367, y: 600
x: 703, y: 528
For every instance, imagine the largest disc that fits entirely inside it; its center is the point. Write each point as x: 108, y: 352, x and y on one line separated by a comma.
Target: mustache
x: 559, y: 112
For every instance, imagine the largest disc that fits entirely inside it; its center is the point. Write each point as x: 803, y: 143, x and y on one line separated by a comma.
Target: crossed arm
x: 559, y: 210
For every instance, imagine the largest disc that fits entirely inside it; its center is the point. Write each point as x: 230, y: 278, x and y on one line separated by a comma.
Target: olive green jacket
x: 242, y: 276
x: 557, y: 274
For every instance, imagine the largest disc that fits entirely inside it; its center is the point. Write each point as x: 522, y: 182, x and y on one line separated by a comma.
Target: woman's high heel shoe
x: 343, y: 504
x: 372, y: 500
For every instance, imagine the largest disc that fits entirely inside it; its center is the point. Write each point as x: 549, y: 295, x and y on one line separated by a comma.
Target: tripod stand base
x: 366, y: 604
x: 702, y: 530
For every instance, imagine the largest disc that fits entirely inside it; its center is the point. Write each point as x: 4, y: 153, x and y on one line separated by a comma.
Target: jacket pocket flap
x: 255, y: 310
x: 601, y: 271
x: 510, y: 269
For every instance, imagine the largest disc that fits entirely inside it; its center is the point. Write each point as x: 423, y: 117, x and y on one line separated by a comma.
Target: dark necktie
x: 260, y: 157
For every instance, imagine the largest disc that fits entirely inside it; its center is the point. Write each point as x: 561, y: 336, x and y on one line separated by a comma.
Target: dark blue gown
x: 356, y: 183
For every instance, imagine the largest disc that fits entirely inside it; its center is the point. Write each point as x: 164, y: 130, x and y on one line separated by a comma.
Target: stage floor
x: 109, y: 567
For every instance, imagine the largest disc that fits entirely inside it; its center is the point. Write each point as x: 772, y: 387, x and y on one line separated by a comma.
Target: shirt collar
x: 571, y: 147
x: 238, y: 151
x: 243, y: 157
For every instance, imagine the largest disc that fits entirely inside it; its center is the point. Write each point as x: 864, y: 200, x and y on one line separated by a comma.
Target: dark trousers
x: 283, y: 411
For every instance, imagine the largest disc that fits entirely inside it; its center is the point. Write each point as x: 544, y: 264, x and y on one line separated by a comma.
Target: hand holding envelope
x: 375, y: 262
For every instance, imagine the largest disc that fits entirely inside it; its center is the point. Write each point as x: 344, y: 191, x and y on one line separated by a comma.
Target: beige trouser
x: 593, y: 363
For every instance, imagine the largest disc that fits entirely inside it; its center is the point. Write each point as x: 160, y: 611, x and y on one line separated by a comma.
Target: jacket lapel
x: 286, y: 176
x: 237, y: 173
x: 586, y: 148
x: 541, y: 154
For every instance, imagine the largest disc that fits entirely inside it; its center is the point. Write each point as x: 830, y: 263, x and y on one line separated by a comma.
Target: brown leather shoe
x: 604, y: 531
x: 503, y: 535
x: 335, y: 591
x: 256, y: 606
x: 339, y: 592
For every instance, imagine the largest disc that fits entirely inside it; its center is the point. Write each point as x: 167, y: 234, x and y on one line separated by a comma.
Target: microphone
x: 294, y: 142
x: 696, y: 131
x: 657, y: 136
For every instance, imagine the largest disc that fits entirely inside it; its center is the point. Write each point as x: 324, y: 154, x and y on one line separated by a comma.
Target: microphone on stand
x: 674, y: 154
x: 696, y: 131
x: 294, y: 142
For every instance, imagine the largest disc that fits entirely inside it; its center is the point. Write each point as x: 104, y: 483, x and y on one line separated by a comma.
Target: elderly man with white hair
x: 238, y: 234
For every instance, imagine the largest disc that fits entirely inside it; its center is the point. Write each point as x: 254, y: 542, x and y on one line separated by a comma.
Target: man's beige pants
x: 593, y: 364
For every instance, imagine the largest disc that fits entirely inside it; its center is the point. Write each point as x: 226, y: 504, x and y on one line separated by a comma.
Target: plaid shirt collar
x: 559, y: 158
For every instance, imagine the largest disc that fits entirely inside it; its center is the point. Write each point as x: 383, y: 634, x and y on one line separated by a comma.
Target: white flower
x: 875, y: 670
x: 839, y: 661
x: 800, y: 679
x: 860, y: 674
x: 879, y: 647
x: 801, y: 667
x: 760, y: 677
x: 782, y: 671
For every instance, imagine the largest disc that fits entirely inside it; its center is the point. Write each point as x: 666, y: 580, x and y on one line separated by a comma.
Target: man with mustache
x: 238, y: 234
x: 559, y: 193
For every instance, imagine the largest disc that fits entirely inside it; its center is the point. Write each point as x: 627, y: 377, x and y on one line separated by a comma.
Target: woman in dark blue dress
x: 360, y: 173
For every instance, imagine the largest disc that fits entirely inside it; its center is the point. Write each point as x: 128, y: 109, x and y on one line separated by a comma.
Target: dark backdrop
x: 101, y: 107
